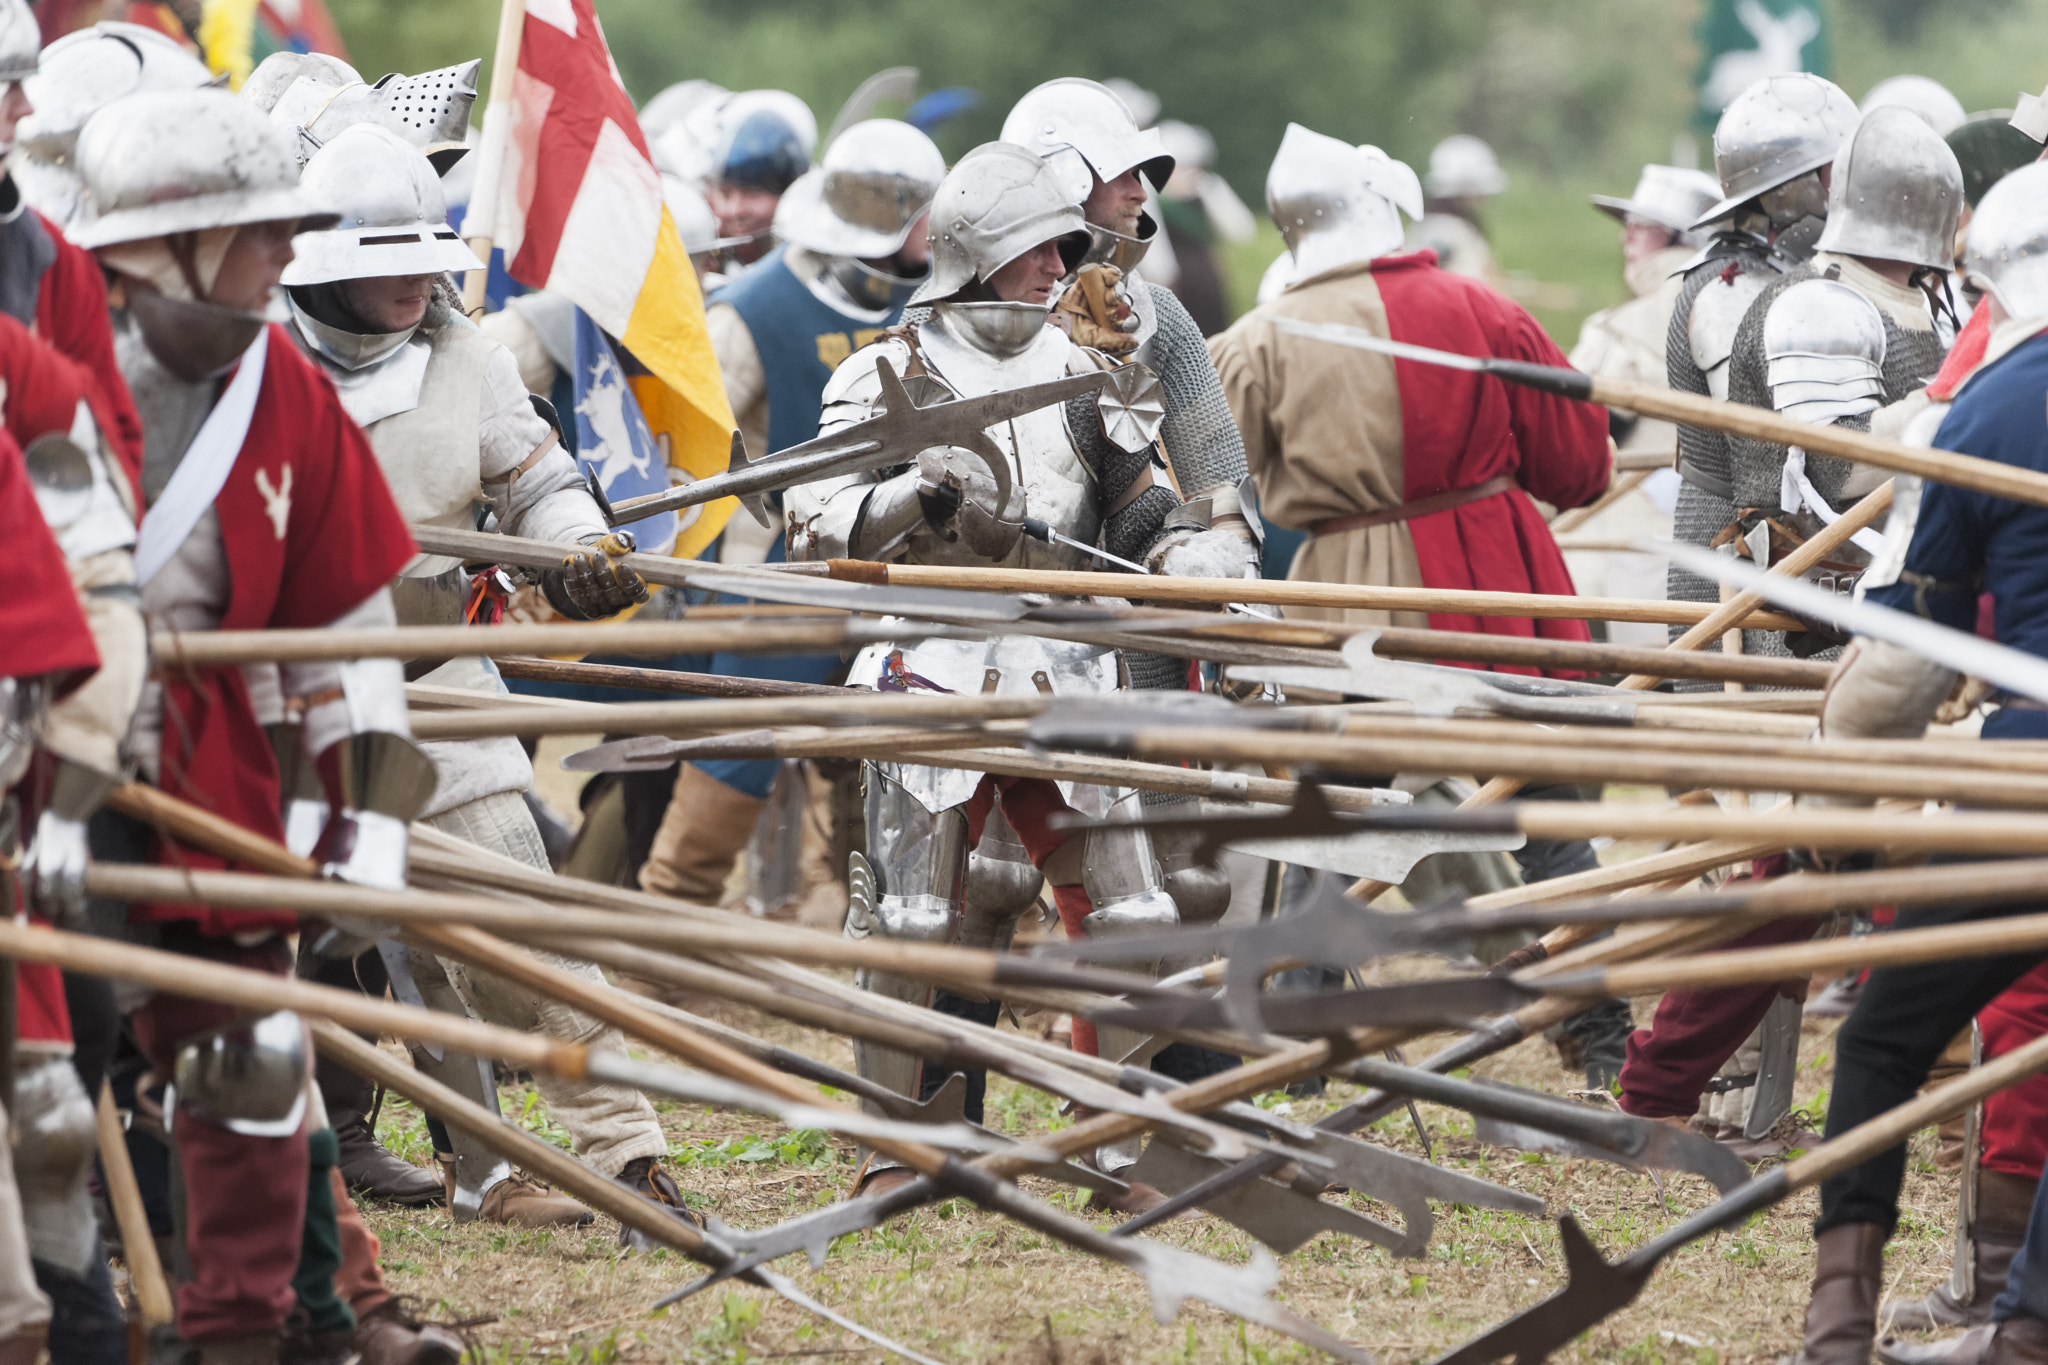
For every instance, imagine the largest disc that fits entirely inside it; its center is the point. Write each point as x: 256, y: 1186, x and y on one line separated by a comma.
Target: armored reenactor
x: 247, y: 456
x: 1848, y: 339
x: 1005, y: 231
x: 1106, y: 162
x: 452, y: 427
x: 51, y: 652
x: 1772, y: 148
x: 852, y: 250
x: 1949, y: 547
x: 66, y: 1025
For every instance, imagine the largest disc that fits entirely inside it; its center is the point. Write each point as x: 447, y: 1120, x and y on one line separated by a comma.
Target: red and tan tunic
x: 1407, y: 474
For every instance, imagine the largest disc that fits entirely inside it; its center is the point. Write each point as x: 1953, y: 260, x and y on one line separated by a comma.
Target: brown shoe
x: 645, y: 1177
x: 1136, y: 1199
x: 1848, y: 1277
x: 880, y: 1180
x: 524, y: 1202
x: 389, y: 1334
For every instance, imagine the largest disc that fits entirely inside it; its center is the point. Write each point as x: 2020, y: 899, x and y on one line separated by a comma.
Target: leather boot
x: 390, y: 1335
x: 2003, y: 1205
x: 701, y: 835
x: 1848, y: 1276
x: 373, y: 1169
x: 519, y: 1201
x: 304, y: 1346
x: 821, y: 900
x: 645, y: 1177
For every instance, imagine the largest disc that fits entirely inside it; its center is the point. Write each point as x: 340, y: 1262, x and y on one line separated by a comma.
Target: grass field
x: 961, y: 1285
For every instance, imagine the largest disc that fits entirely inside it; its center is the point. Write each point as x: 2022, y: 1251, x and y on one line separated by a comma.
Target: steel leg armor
x: 477, y: 1169
x: 54, y: 1140
x: 909, y: 886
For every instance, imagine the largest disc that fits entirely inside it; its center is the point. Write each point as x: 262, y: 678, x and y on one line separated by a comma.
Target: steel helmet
x: 1775, y: 131
x: 21, y: 41
x: 997, y: 203
x: 1085, y: 133
x: 1896, y: 193
x: 875, y: 180
x: 1463, y: 167
x: 2007, y: 254
x: 394, y: 220
x: 80, y: 74
x: 249, y: 1076
x: 1334, y: 202
x: 1930, y: 99
x: 430, y: 110
x: 183, y: 161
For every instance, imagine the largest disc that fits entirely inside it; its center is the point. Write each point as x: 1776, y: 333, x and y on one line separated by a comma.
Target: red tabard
x: 1460, y: 429
x: 71, y: 314
x: 42, y: 627
x: 310, y: 531
x: 41, y: 1015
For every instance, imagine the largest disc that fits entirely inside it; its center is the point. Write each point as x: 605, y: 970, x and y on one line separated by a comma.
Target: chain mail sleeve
x: 1200, y: 436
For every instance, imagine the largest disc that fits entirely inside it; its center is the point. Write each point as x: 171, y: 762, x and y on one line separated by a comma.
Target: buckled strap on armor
x: 539, y: 453
x: 1420, y: 507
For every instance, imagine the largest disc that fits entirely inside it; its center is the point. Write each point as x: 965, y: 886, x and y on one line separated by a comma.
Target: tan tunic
x: 1322, y: 435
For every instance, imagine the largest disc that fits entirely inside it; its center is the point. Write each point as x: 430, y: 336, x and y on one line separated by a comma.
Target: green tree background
x: 1575, y: 95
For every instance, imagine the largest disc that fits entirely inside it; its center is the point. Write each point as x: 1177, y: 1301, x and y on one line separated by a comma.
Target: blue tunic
x: 1969, y: 543
x: 800, y: 338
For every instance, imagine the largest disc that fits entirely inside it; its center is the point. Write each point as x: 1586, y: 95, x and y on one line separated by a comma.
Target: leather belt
x: 1420, y: 507
x: 1705, y: 482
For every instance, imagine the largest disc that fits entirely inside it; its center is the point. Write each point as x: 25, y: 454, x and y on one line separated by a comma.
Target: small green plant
x: 725, y: 1336
x: 802, y: 1147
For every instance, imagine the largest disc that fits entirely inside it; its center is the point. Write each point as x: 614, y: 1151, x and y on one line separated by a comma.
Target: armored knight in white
x: 453, y: 429
x: 1004, y: 230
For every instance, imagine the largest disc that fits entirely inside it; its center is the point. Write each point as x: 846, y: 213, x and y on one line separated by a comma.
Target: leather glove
x: 54, y: 869
x: 1096, y: 311
x: 959, y: 499
x: 591, y: 585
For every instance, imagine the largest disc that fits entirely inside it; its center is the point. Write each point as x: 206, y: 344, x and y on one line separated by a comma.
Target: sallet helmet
x: 2007, y: 254
x: 1775, y: 131
x: 863, y: 198
x: 1896, y: 192
x: 1336, y: 203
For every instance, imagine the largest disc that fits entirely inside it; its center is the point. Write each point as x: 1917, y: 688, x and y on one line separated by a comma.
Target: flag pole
x: 480, y: 222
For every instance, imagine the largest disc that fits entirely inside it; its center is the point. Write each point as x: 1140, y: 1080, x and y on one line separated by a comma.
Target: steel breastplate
x: 1059, y: 486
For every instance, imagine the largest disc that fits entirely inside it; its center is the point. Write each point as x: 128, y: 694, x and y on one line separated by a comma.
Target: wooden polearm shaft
x: 1280, y: 593
x: 650, y: 639
x: 2018, y: 756
x: 1393, y: 643
x: 2007, y: 936
x: 1740, y: 419
x: 1585, y: 761
x: 681, y: 683
x: 956, y: 967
